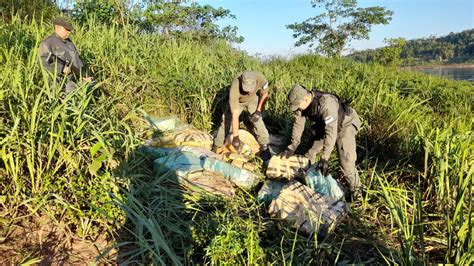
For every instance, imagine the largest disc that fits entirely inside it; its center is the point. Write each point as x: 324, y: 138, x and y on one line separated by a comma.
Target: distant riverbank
x: 451, y: 66
x: 454, y: 71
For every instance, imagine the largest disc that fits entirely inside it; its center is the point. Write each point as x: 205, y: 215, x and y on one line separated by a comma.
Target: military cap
x: 249, y: 81
x: 296, y: 96
x: 62, y: 21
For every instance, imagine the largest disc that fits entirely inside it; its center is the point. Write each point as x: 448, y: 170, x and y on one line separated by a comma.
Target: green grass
x: 77, y: 161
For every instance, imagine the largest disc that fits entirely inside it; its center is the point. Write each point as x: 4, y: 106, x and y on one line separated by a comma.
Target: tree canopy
x: 452, y: 48
x: 342, y: 22
x: 171, y: 18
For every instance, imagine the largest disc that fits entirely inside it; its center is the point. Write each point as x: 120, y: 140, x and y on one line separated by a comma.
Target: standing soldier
x: 60, y: 56
x: 334, y: 123
x: 243, y: 96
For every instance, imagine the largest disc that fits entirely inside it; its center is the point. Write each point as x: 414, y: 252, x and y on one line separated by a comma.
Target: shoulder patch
x: 329, y: 119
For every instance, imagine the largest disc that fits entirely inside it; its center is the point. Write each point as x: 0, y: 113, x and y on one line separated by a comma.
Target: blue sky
x: 262, y: 22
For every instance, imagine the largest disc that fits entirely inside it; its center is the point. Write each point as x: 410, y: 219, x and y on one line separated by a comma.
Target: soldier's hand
x: 255, y: 116
x: 236, y: 143
x: 324, y: 166
x: 287, y: 153
x: 66, y: 70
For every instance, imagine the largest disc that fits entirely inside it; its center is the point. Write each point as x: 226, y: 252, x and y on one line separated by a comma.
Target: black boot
x: 265, y: 153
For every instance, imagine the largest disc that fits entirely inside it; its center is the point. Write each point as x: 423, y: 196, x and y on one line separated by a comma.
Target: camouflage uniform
x: 332, y: 125
x: 53, y: 46
x: 240, y: 101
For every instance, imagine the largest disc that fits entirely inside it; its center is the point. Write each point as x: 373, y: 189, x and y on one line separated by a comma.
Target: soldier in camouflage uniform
x: 59, y: 56
x: 243, y: 96
x: 334, y: 123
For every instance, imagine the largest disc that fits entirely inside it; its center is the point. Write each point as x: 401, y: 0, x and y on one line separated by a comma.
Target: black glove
x: 323, y: 165
x: 287, y: 153
x: 236, y: 143
x: 255, y: 116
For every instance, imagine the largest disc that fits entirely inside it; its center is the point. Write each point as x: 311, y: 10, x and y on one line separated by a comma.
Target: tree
x: 175, y: 17
x: 103, y: 11
x: 342, y: 22
x: 28, y: 9
x: 390, y: 54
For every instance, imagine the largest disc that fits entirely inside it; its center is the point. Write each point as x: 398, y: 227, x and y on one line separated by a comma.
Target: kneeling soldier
x: 334, y: 123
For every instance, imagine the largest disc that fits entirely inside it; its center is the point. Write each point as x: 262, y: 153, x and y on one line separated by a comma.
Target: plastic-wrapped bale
x: 163, y: 123
x: 197, y: 151
x: 209, y: 182
x: 287, y: 168
x: 182, y: 162
x: 269, y: 191
x: 190, y: 172
x: 200, y: 151
x: 325, y: 185
x: 183, y: 136
x: 307, y: 210
x: 239, y: 176
x: 250, y: 147
x: 229, y: 154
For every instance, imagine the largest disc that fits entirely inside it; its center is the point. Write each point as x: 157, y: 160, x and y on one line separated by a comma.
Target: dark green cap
x: 249, y: 81
x: 62, y: 21
x: 296, y: 96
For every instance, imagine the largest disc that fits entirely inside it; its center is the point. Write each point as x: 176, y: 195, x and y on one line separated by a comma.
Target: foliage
x: 342, y: 22
x: 390, y: 55
x: 27, y: 9
x: 104, y: 11
x: 177, y: 16
x: 452, y: 48
x: 70, y: 158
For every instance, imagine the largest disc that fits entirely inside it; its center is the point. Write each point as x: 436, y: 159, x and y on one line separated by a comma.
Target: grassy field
x: 77, y: 162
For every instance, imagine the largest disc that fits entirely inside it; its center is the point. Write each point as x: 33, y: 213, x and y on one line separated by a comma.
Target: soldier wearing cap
x: 59, y: 55
x: 243, y: 96
x: 334, y: 123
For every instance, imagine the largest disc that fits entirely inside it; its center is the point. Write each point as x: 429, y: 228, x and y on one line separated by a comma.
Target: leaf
x: 97, y: 164
x: 95, y: 148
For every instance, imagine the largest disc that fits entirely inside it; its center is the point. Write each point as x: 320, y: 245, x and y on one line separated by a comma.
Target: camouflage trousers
x: 226, y: 128
x: 346, y: 148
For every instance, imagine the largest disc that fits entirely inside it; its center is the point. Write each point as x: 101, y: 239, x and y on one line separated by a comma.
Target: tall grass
x: 76, y: 159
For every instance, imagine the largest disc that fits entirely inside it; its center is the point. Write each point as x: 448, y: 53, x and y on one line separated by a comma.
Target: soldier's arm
x: 263, y: 98
x: 263, y: 82
x: 44, y: 53
x: 234, y: 95
x: 330, y: 115
x: 298, y: 128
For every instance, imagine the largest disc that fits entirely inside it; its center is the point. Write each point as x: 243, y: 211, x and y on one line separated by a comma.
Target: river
x: 464, y: 73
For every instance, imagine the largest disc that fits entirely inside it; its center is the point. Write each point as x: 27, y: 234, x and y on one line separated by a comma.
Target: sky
x: 262, y: 22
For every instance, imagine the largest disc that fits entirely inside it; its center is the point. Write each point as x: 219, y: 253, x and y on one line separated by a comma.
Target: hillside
x: 449, y: 49
x: 77, y: 161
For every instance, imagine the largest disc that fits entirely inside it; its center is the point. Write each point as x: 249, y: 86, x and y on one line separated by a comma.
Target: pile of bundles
x: 314, y: 207
x: 186, y: 152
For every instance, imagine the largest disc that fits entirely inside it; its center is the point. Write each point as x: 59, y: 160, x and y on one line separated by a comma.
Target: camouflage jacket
x: 327, y: 111
x: 53, y: 47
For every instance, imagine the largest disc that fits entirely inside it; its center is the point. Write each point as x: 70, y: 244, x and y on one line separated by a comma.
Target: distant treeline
x: 453, y: 48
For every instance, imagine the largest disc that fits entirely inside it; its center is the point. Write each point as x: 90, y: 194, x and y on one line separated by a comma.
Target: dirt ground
x: 41, y: 242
